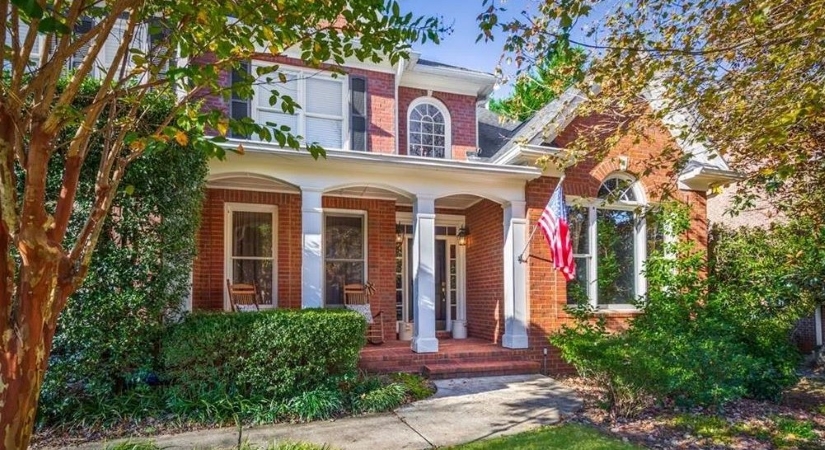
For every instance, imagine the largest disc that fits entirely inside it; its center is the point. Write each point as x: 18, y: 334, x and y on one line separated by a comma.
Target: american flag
x: 554, y: 226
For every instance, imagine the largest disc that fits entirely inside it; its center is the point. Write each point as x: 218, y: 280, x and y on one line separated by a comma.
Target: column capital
x: 517, y: 208
x: 311, y: 189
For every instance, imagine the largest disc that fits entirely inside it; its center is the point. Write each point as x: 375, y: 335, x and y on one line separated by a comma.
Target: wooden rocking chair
x: 242, y: 297
x: 357, y: 298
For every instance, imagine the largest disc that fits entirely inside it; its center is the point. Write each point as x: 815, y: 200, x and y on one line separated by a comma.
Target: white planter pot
x: 405, y: 331
x: 459, y: 329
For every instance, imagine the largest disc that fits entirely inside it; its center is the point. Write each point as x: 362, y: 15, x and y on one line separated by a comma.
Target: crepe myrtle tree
x: 745, y: 76
x: 192, y: 44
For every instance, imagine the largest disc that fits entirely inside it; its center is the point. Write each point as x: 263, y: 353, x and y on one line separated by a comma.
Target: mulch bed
x: 796, y: 422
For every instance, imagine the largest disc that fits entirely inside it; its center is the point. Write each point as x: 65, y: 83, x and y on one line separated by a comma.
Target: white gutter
x: 391, y: 160
x: 700, y: 178
x: 525, y: 153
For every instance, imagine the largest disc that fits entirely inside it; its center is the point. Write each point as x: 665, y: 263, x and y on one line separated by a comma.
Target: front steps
x: 455, y: 359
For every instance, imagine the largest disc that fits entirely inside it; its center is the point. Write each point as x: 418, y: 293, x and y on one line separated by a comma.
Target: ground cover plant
x: 566, y: 436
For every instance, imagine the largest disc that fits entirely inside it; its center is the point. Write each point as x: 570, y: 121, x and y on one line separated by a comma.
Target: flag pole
x: 521, y: 258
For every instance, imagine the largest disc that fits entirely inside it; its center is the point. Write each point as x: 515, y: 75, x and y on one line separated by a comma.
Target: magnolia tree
x: 136, y: 47
x: 745, y: 76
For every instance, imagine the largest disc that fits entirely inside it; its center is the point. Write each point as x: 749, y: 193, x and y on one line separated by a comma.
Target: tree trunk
x: 26, y: 350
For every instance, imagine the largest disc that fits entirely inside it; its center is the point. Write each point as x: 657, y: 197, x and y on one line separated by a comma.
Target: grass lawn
x: 569, y: 436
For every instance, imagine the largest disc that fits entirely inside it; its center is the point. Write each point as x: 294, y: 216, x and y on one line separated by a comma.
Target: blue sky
x: 459, y: 48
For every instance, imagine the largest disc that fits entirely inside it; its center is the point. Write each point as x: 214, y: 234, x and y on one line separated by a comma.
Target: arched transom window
x: 428, y: 129
x: 612, y: 236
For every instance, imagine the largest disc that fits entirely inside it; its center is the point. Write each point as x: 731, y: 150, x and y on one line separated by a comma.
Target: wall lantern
x: 463, y: 232
x: 399, y: 233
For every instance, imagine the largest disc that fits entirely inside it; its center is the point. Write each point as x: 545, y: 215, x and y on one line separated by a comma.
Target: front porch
x: 302, y: 235
x: 455, y: 358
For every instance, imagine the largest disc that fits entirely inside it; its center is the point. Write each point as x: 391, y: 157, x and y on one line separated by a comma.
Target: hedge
x: 272, y: 354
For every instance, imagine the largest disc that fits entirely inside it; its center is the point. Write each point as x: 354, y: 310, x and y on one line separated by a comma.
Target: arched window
x: 610, y: 243
x: 428, y: 129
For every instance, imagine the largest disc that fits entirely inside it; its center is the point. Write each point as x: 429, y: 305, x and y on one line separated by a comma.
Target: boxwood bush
x: 276, y: 355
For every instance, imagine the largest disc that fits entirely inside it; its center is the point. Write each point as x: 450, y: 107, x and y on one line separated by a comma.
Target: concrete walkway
x: 462, y: 410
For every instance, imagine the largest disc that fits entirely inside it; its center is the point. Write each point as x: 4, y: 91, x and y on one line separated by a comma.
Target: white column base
x: 424, y: 345
x: 511, y: 341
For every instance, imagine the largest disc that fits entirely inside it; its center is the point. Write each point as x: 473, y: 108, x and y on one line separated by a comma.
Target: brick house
x: 429, y: 197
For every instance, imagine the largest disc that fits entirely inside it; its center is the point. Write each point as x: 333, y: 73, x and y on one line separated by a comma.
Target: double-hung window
x: 323, y: 116
x: 251, y: 247
x: 610, y: 244
x: 345, y: 253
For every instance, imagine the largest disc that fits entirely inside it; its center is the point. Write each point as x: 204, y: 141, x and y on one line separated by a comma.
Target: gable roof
x: 528, y: 140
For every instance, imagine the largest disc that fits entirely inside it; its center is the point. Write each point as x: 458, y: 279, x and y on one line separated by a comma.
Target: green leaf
x: 29, y: 8
x: 52, y: 25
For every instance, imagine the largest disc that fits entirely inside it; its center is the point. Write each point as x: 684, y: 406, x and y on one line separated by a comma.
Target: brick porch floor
x: 455, y: 357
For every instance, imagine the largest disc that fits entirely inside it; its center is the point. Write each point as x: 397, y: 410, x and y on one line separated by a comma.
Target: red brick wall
x: 381, y: 101
x: 547, y: 289
x: 485, y: 271
x: 209, y: 279
x: 380, y: 253
x: 462, y: 110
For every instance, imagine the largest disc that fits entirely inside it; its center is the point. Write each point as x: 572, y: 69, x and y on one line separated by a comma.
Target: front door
x: 448, y: 283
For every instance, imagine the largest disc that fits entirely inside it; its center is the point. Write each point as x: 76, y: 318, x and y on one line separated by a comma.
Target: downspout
x: 818, y: 325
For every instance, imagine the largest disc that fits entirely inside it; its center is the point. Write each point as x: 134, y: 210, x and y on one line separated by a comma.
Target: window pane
x: 578, y: 220
x: 655, y: 233
x: 616, y: 269
x: 577, y: 288
x: 252, y: 234
x: 344, y: 237
x: 257, y: 272
x: 278, y: 119
x: 326, y: 132
x: 340, y: 274
x: 288, y: 89
x: 324, y: 96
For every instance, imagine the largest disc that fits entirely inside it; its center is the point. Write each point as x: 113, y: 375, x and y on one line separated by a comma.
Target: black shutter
x: 238, y: 106
x: 358, y: 118
x: 83, y: 26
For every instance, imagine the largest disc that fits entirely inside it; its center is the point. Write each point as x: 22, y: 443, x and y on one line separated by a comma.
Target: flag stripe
x: 556, y: 231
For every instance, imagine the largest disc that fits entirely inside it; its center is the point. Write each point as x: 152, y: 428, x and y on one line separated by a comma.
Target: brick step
x: 480, y: 369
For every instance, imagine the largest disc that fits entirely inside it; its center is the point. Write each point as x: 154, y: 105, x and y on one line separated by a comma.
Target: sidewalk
x: 462, y: 410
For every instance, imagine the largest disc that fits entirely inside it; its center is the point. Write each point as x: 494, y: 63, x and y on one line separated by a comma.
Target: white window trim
x: 339, y: 212
x: 229, y: 209
x: 639, y: 242
x: 448, y: 123
x: 302, y: 75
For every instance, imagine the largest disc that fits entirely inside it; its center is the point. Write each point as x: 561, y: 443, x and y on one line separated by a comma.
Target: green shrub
x: 702, y: 339
x: 274, y: 355
x: 107, y: 338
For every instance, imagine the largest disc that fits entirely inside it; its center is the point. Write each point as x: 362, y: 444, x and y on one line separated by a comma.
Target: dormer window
x: 428, y: 129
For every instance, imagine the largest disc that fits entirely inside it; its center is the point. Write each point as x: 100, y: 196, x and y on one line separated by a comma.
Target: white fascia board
x: 703, y: 178
x: 448, y: 80
x: 527, y: 154
x: 390, y: 160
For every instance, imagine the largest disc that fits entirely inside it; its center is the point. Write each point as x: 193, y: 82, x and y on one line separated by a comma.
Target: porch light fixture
x: 463, y: 232
x: 399, y: 233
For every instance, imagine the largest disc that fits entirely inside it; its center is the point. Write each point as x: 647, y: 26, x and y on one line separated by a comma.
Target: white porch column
x: 818, y: 324
x: 312, y: 261
x: 515, y: 276
x: 423, y: 265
